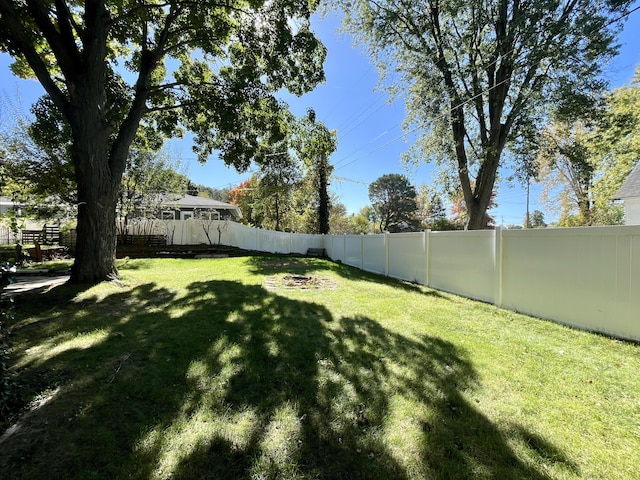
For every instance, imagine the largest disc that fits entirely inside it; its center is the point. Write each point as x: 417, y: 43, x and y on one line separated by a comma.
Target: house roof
x: 631, y: 186
x: 6, y: 202
x: 191, y: 201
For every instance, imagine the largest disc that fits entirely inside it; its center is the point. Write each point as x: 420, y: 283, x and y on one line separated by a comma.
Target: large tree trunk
x: 99, y: 158
x: 96, y: 239
x: 98, y: 186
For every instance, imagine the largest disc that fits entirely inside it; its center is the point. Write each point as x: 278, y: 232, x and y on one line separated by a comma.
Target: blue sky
x: 370, y: 137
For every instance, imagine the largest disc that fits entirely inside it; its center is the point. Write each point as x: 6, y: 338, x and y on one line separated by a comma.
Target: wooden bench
x: 316, y: 252
x: 30, y: 236
x: 49, y: 235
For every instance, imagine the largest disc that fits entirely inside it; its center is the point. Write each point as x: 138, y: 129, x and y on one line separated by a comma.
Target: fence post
x: 386, y: 253
x: 427, y: 253
x: 362, y: 251
x: 497, y: 265
x: 344, y: 248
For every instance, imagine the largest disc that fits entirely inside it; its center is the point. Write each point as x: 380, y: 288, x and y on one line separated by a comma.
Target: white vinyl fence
x: 585, y: 277
x: 194, y: 232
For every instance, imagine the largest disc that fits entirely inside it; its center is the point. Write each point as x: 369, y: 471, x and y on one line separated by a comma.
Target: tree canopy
x: 582, y: 162
x: 314, y: 143
x: 477, y: 75
x: 109, y: 68
x: 394, y: 200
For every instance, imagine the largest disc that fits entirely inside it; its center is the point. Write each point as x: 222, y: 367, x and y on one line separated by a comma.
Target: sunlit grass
x: 210, y: 369
x: 60, y: 344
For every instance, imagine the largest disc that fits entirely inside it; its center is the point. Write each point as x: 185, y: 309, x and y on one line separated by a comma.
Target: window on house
x: 186, y: 215
x: 208, y: 215
x: 168, y: 215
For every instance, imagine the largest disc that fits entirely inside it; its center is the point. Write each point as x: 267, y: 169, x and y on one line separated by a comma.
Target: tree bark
x: 97, y: 191
x: 96, y: 239
x: 323, y: 194
x: 277, y: 208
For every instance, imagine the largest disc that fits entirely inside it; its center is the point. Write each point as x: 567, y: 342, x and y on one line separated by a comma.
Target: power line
x: 386, y: 132
x: 349, y: 180
x: 364, y: 74
x: 346, y: 134
x: 346, y: 124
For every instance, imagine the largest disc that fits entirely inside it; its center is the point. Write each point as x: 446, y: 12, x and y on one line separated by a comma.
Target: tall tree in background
x: 37, y: 159
x: 272, y: 196
x: 394, y: 201
x: 535, y: 220
x: 247, y: 50
x: 583, y: 162
x: 431, y: 212
x: 314, y: 144
x: 567, y: 171
x: 33, y: 175
x: 242, y: 196
x: 278, y: 174
x: 616, y: 146
x: 219, y: 194
x: 474, y: 75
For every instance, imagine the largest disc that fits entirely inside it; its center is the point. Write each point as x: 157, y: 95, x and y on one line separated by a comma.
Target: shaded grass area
x: 193, y: 369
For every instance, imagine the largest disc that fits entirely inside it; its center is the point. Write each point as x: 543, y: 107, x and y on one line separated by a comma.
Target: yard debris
x: 124, y: 359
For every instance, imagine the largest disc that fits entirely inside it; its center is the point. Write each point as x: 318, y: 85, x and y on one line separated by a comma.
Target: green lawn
x: 223, y: 368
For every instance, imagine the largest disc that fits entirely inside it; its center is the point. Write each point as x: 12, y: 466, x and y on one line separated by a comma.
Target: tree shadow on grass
x: 231, y: 381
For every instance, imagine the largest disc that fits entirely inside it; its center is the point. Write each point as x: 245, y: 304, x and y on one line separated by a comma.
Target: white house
x: 629, y: 193
x: 185, y: 207
x: 7, y: 205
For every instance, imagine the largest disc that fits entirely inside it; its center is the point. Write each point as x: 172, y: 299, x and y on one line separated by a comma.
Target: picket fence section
x: 7, y: 236
x: 585, y: 277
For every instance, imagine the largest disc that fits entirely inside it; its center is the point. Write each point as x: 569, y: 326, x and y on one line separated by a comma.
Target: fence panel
x: 585, y: 277
x: 274, y: 242
x: 374, y: 253
x: 301, y: 242
x: 241, y: 236
x: 463, y: 263
x: 353, y: 250
x: 408, y: 257
x: 335, y: 245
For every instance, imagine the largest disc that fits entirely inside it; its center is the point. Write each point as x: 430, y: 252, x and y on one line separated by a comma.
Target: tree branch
x: 20, y: 41
x: 62, y: 45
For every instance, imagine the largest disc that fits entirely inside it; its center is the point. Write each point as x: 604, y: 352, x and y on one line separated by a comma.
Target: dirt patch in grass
x: 299, y: 282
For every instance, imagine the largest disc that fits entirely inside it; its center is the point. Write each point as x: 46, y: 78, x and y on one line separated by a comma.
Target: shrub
x: 8, y: 386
